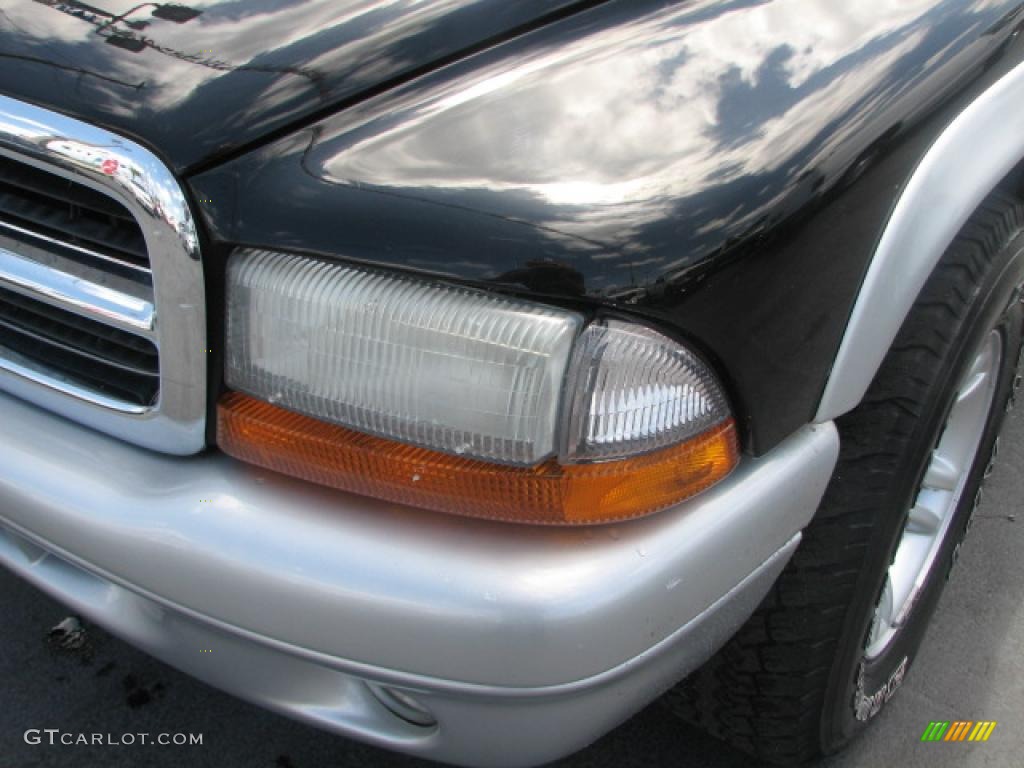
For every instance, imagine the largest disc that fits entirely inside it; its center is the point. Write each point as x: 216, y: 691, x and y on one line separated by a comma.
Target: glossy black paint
x: 722, y: 168
x: 198, y: 82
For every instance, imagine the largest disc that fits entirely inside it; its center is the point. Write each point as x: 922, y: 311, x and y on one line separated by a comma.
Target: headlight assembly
x: 461, y: 400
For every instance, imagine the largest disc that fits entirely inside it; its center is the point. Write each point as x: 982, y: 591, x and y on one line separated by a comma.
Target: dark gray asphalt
x: 970, y: 668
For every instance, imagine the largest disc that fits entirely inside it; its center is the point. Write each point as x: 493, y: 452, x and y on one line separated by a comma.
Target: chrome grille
x: 116, y: 364
x: 36, y: 205
x: 101, y: 288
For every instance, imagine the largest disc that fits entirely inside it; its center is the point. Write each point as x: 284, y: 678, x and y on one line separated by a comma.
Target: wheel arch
x: 970, y: 158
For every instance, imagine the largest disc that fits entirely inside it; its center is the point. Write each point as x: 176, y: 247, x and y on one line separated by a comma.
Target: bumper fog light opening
x: 403, y: 705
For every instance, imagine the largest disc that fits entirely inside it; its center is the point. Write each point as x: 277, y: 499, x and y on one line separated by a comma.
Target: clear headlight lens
x: 442, y: 367
x: 425, y: 393
x: 634, y: 390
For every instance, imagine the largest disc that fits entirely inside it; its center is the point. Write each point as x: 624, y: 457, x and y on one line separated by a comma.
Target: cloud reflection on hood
x: 613, y: 137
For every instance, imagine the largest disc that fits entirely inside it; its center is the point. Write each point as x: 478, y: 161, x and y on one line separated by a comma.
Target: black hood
x: 199, y: 81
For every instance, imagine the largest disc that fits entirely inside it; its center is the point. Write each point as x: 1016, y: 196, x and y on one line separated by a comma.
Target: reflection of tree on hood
x: 123, y: 32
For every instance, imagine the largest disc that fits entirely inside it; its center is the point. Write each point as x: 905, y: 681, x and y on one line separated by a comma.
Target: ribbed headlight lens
x: 438, y: 366
x: 634, y: 390
x: 424, y: 393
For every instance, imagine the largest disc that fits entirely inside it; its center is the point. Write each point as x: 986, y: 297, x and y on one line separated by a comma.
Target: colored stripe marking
x: 935, y: 730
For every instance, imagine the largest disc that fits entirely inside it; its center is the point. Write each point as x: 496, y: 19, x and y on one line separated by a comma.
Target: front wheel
x: 833, y: 640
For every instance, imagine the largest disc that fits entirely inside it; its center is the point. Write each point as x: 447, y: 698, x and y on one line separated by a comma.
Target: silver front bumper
x: 524, y: 643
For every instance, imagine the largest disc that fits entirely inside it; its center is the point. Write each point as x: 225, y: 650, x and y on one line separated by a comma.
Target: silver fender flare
x: 971, y: 156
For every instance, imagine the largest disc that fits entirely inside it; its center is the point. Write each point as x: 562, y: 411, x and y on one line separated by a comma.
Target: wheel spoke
x: 925, y: 519
x: 943, y: 472
x: 974, y: 381
x: 910, y: 559
x: 883, y: 615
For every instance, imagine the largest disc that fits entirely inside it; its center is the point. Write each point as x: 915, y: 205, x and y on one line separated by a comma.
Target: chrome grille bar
x: 68, y: 291
x: 76, y: 199
x: 86, y: 252
x: 38, y: 203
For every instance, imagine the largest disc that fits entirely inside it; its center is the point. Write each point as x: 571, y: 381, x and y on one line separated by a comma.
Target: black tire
x: 795, y: 683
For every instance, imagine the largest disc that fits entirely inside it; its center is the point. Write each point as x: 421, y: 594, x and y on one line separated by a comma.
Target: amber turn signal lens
x: 550, y: 493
